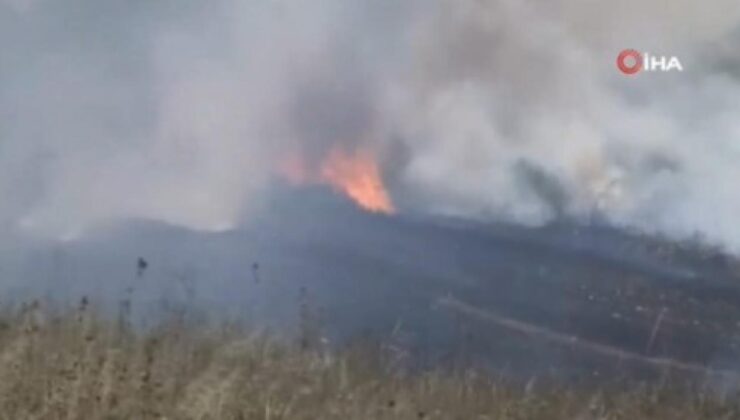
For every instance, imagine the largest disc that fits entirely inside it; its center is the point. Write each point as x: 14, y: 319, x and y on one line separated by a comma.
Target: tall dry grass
x: 77, y: 365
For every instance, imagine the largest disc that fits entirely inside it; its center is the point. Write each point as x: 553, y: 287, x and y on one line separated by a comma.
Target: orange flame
x: 355, y: 174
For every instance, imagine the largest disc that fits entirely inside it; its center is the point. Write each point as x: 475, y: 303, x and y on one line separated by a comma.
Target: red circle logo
x: 634, y: 67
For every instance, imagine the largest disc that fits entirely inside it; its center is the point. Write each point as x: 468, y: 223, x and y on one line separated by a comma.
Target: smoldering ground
x: 566, y: 300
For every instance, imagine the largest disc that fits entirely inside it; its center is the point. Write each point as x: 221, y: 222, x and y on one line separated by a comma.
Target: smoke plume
x: 184, y: 111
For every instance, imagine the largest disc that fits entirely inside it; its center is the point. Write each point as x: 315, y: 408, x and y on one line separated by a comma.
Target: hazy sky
x: 181, y: 110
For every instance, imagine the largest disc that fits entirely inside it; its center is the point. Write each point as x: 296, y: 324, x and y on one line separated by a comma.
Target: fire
x: 355, y: 174
x: 358, y: 176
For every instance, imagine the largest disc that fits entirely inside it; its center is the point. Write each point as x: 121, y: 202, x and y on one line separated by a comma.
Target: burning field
x: 573, y: 302
x: 508, y: 203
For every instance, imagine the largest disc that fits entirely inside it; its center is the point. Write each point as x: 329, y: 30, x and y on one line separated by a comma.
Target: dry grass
x: 77, y: 366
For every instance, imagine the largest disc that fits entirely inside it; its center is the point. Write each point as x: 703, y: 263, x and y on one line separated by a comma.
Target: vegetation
x: 78, y: 365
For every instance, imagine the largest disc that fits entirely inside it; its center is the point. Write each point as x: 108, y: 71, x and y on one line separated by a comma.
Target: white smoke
x: 181, y: 111
x: 506, y: 83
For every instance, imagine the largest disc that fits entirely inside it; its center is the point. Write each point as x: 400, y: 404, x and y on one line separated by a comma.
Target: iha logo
x: 631, y: 62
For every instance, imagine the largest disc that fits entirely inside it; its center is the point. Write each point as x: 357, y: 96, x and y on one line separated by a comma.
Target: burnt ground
x: 567, y: 299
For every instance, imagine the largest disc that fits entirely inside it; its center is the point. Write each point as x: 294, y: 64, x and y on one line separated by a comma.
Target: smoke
x: 182, y: 111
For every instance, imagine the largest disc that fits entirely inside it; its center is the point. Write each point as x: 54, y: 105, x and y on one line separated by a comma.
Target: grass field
x: 76, y: 365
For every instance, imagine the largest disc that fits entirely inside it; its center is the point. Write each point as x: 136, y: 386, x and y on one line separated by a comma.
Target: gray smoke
x: 181, y: 110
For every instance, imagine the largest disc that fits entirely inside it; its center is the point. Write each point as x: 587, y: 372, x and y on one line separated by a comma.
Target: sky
x: 182, y: 111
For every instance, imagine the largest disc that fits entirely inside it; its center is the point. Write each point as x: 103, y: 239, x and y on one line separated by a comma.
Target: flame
x: 358, y: 176
x: 355, y: 174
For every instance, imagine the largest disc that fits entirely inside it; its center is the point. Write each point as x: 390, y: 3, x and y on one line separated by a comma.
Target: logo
x: 631, y: 62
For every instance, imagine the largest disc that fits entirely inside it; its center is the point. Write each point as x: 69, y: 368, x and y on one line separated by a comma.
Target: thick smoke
x: 182, y: 110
